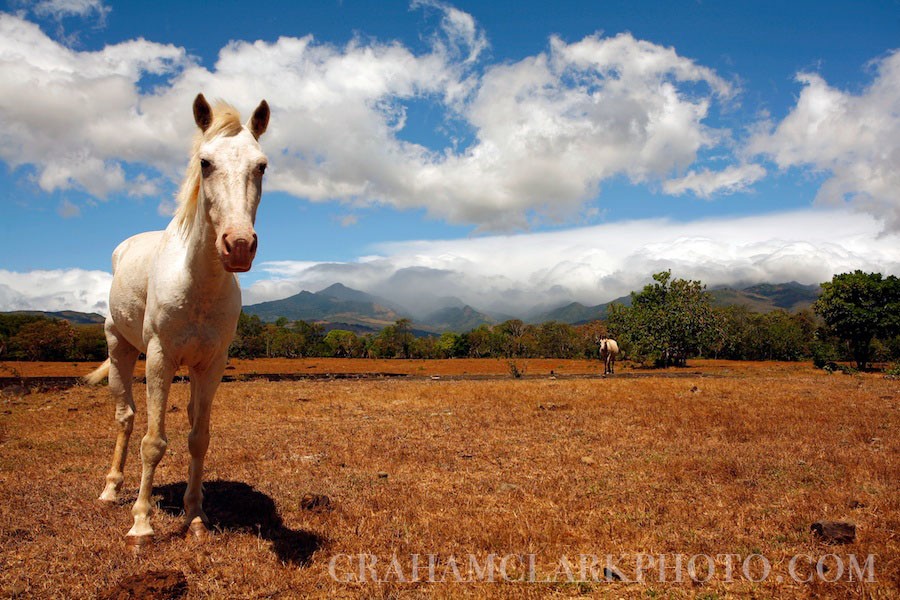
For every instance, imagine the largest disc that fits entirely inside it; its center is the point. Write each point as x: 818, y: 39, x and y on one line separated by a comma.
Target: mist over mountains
x: 339, y: 304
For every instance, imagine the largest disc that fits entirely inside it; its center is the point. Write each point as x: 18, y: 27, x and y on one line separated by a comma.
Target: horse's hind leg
x: 122, y: 357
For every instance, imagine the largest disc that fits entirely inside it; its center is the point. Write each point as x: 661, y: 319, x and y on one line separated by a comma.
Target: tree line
x: 35, y: 337
x: 857, y: 317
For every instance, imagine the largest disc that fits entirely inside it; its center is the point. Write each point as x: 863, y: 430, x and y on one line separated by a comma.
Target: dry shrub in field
x: 730, y: 460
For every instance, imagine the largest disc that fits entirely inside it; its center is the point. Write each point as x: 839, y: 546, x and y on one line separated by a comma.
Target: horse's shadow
x: 233, y: 506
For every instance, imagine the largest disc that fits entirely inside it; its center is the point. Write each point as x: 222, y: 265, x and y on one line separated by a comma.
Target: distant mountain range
x: 361, y: 311
x: 763, y: 298
x: 72, y: 316
x: 766, y: 297
x: 340, y: 307
x: 336, y: 303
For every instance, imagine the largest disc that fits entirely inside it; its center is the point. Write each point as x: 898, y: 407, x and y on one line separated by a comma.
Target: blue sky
x: 487, y: 151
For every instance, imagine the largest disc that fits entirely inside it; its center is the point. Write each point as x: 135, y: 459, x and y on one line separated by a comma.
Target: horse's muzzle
x: 238, y: 252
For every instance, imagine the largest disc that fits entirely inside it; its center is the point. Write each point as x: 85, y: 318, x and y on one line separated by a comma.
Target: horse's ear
x: 202, y: 113
x: 260, y: 120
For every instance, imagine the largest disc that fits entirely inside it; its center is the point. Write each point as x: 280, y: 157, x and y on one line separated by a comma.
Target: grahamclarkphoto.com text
x: 639, y: 568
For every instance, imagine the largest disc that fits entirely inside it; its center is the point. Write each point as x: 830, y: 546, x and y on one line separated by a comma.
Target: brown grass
x: 739, y: 464
x: 417, y: 368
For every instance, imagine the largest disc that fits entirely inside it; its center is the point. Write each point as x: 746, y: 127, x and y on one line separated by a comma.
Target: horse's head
x: 231, y: 167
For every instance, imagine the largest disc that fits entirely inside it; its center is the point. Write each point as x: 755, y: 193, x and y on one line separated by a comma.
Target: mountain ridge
x: 341, y: 304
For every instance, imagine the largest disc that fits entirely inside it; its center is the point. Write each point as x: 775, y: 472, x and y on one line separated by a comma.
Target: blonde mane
x: 226, y: 120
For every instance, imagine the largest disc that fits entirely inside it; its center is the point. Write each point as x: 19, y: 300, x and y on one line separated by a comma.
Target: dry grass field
x: 415, y: 368
x: 319, y: 366
x: 531, y: 475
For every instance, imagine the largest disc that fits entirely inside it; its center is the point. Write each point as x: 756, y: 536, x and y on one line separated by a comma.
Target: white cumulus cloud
x: 854, y: 138
x: 706, y: 183
x: 542, y: 133
x: 58, y: 9
x: 76, y: 117
x: 528, y: 141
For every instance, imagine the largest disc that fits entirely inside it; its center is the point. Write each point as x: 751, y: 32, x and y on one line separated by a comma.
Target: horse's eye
x: 262, y: 168
x: 205, y: 164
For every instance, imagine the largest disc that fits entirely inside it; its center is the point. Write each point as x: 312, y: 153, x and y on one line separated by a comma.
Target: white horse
x: 609, y: 349
x: 175, y: 297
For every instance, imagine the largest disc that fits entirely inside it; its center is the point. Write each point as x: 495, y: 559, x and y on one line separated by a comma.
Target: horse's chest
x: 197, y: 324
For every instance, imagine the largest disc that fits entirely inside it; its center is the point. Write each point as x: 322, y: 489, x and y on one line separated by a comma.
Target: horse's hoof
x: 197, y: 530
x: 107, y: 502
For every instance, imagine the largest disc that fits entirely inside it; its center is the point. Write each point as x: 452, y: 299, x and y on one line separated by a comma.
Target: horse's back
x: 131, y: 263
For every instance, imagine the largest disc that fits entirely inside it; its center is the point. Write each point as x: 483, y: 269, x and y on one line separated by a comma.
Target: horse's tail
x: 98, y: 374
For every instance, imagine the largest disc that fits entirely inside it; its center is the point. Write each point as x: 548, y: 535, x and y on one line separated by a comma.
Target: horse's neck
x: 201, y: 257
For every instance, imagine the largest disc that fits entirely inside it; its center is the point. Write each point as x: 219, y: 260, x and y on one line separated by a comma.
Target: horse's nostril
x: 225, y: 243
x: 254, y: 244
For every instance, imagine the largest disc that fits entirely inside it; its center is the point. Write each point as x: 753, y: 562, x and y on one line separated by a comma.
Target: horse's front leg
x: 204, y: 383
x: 160, y: 370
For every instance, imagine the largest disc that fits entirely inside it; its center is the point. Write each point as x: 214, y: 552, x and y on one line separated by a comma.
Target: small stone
x: 382, y: 475
x: 834, y: 532
x: 588, y: 460
x: 315, y: 502
x: 694, y: 389
x: 507, y: 487
x: 15, y: 390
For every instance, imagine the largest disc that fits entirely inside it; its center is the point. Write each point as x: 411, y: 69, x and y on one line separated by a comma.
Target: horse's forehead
x: 242, y: 145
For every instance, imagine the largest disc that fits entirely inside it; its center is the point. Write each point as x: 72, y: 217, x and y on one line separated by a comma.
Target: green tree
x: 735, y: 335
x: 858, y: 307
x: 667, y: 321
x: 511, y: 336
x: 309, y: 338
x: 480, y: 341
x: 588, y: 336
x: 452, y: 345
x: 394, y: 341
x: 249, y: 341
x: 90, y: 343
x: 557, y: 340
x: 342, y: 343
x: 45, y: 339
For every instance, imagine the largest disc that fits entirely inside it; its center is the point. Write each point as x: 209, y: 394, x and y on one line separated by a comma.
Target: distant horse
x: 609, y: 349
x: 175, y: 297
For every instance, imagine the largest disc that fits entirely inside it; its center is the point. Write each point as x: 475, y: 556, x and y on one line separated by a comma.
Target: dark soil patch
x: 152, y: 585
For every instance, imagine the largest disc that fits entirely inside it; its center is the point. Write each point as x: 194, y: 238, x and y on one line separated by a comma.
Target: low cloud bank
x: 59, y: 289
x: 516, y: 273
